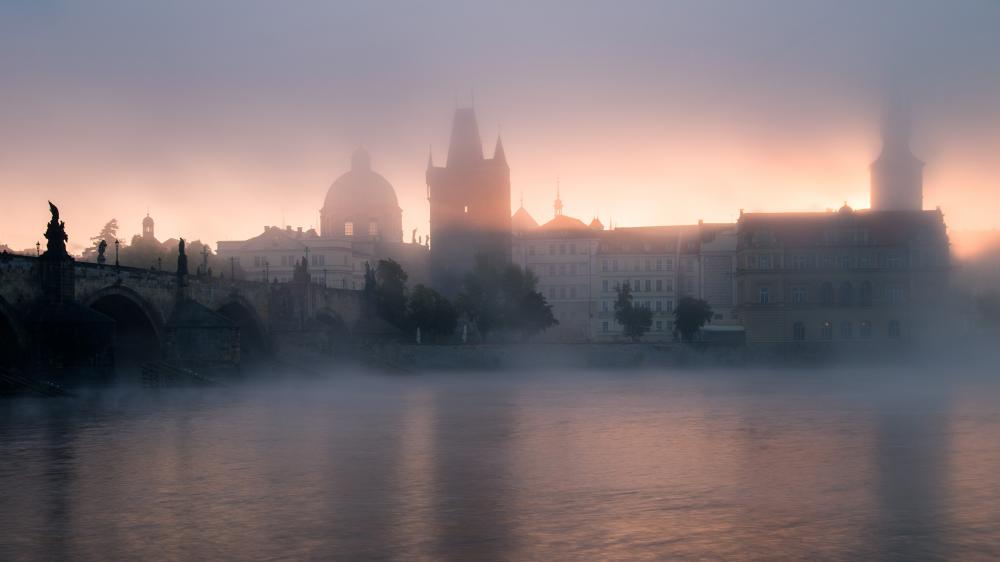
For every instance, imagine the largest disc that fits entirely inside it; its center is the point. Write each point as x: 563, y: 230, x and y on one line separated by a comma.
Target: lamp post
x: 267, y: 272
x: 232, y: 268
x: 117, y: 245
x: 38, y: 249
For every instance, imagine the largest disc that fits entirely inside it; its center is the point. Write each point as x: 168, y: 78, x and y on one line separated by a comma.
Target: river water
x: 819, y: 465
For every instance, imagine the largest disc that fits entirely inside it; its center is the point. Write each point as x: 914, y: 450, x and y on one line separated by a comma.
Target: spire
x: 466, y: 146
x: 522, y: 200
x: 558, y: 205
x: 499, y: 155
x: 430, y: 158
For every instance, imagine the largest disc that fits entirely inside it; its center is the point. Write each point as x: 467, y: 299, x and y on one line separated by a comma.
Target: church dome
x: 362, y: 198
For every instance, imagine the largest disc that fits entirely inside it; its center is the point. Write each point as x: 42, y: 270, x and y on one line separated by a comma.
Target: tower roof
x: 466, y: 146
x: 522, y: 220
x: 499, y: 155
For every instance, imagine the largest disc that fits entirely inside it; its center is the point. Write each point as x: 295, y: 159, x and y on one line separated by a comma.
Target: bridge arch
x: 138, y: 324
x: 338, y: 334
x: 13, y: 340
x: 253, y: 335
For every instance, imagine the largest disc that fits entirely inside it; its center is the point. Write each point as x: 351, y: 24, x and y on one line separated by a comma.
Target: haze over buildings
x: 222, y: 118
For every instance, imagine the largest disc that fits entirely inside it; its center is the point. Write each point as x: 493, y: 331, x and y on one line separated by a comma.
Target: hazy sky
x: 221, y: 117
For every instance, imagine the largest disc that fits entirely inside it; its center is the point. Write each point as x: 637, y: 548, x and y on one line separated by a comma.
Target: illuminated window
x: 348, y: 228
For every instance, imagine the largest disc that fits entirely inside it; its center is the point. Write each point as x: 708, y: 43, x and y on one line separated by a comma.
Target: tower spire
x: 498, y: 153
x: 558, y: 205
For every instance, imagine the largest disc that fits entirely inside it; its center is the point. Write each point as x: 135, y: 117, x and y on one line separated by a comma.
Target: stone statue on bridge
x: 55, y: 235
x: 101, y: 248
x: 182, y: 262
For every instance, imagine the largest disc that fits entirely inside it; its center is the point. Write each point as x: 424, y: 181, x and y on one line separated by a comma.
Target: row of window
x: 606, y: 326
x: 654, y: 305
x: 372, y: 228
x: 562, y: 292
x: 844, y: 297
x: 810, y: 261
x: 554, y: 269
x: 639, y: 285
x: 846, y: 330
x: 555, y: 249
x: 659, y: 264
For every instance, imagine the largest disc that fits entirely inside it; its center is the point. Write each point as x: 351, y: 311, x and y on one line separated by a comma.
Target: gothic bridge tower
x: 469, y: 205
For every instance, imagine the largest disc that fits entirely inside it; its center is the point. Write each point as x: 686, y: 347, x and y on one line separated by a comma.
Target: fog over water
x: 837, y: 464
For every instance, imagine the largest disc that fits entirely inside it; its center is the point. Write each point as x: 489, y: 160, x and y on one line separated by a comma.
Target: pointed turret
x: 558, y: 204
x: 430, y: 158
x: 499, y: 156
x: 466, y: 146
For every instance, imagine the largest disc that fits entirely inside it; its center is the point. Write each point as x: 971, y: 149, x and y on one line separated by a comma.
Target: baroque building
x: 469, y: 205
x: 360, y: 222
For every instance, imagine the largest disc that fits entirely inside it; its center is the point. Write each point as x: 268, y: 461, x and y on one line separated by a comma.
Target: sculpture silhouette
x: 182, y: 261
x: 55, y: 234
x: 101, y: 248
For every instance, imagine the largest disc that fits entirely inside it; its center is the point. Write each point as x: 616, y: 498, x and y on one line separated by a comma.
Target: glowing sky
x: 223, y: 118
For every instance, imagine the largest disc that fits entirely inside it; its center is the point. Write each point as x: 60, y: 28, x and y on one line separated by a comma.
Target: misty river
x: 848, y: 464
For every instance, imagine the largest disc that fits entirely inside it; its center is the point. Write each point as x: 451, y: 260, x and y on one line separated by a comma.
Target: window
x: 659, y: 284
x: 846, y: 294
x: 845, y: 262
x: 604, y: 306
x: 466, y: 209
x: 614, y: 265
x: 659, y: 325
x: 348, y: 228
x: 765, y: 295
x: 659, y: 264
x: 894, y: 295
x: 846, y: 330
x: 894, y: 262
x: 800, y: 261
x: 562, y: 292
x: 826, y: 330
x: 826, y: 293
x: 669, y: 306
x: 552, y: 269
x: 649, y: 285
x: 649, y: 265
x: 799, y: 295
x: 604, y: 326
x: 562, y: 269
x: 659, y: 306
x: 764, y: 261
x: 604, y: 265
x: 865, y: 329
x: 572, y: 248
x: 604, y: 285
x: 572, y: 292
x: 865, y: 295
x: 894, y: 329
x: 670, y: 264
x: 373, y: 228
x: 531, y: 250
x: 562, y: 249
x: 638, y: 286
x: 799, y: 331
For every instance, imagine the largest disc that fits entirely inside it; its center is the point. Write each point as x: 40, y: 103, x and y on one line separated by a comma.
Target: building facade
x: 841, y: 277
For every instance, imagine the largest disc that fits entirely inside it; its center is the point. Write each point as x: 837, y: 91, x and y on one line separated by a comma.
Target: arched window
x: 348, y: 228
x: 865, y: 296
x: 846, y: 294
x: 895, y: 331
x: 373, y: 228
x: 826, y: 293
x: 799, y: 331
x: 826, y: 330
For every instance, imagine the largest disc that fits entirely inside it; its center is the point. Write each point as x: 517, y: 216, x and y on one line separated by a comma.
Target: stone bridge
x: 142, y: 303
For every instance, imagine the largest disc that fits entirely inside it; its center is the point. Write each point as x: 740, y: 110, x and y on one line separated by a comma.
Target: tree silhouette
x: 433, y: 314
x: 108, y: 235
x: 690, y: 315
x: 504, y: 299
x: 635, y: 320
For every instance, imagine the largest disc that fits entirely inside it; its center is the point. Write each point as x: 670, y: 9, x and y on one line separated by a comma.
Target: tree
x: 433, y: 314
x: 635, y: 320
x: 108, y: 234
x: 504, y: 299
x: 390, y: 292
x: 690, y: 315
x: 525, y: 310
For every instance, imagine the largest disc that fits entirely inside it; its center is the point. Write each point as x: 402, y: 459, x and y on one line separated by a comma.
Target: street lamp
x: 117, y: 244
x: 38, y: 249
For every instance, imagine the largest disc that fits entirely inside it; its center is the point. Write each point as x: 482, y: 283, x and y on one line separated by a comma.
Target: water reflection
x: 557, y: 466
